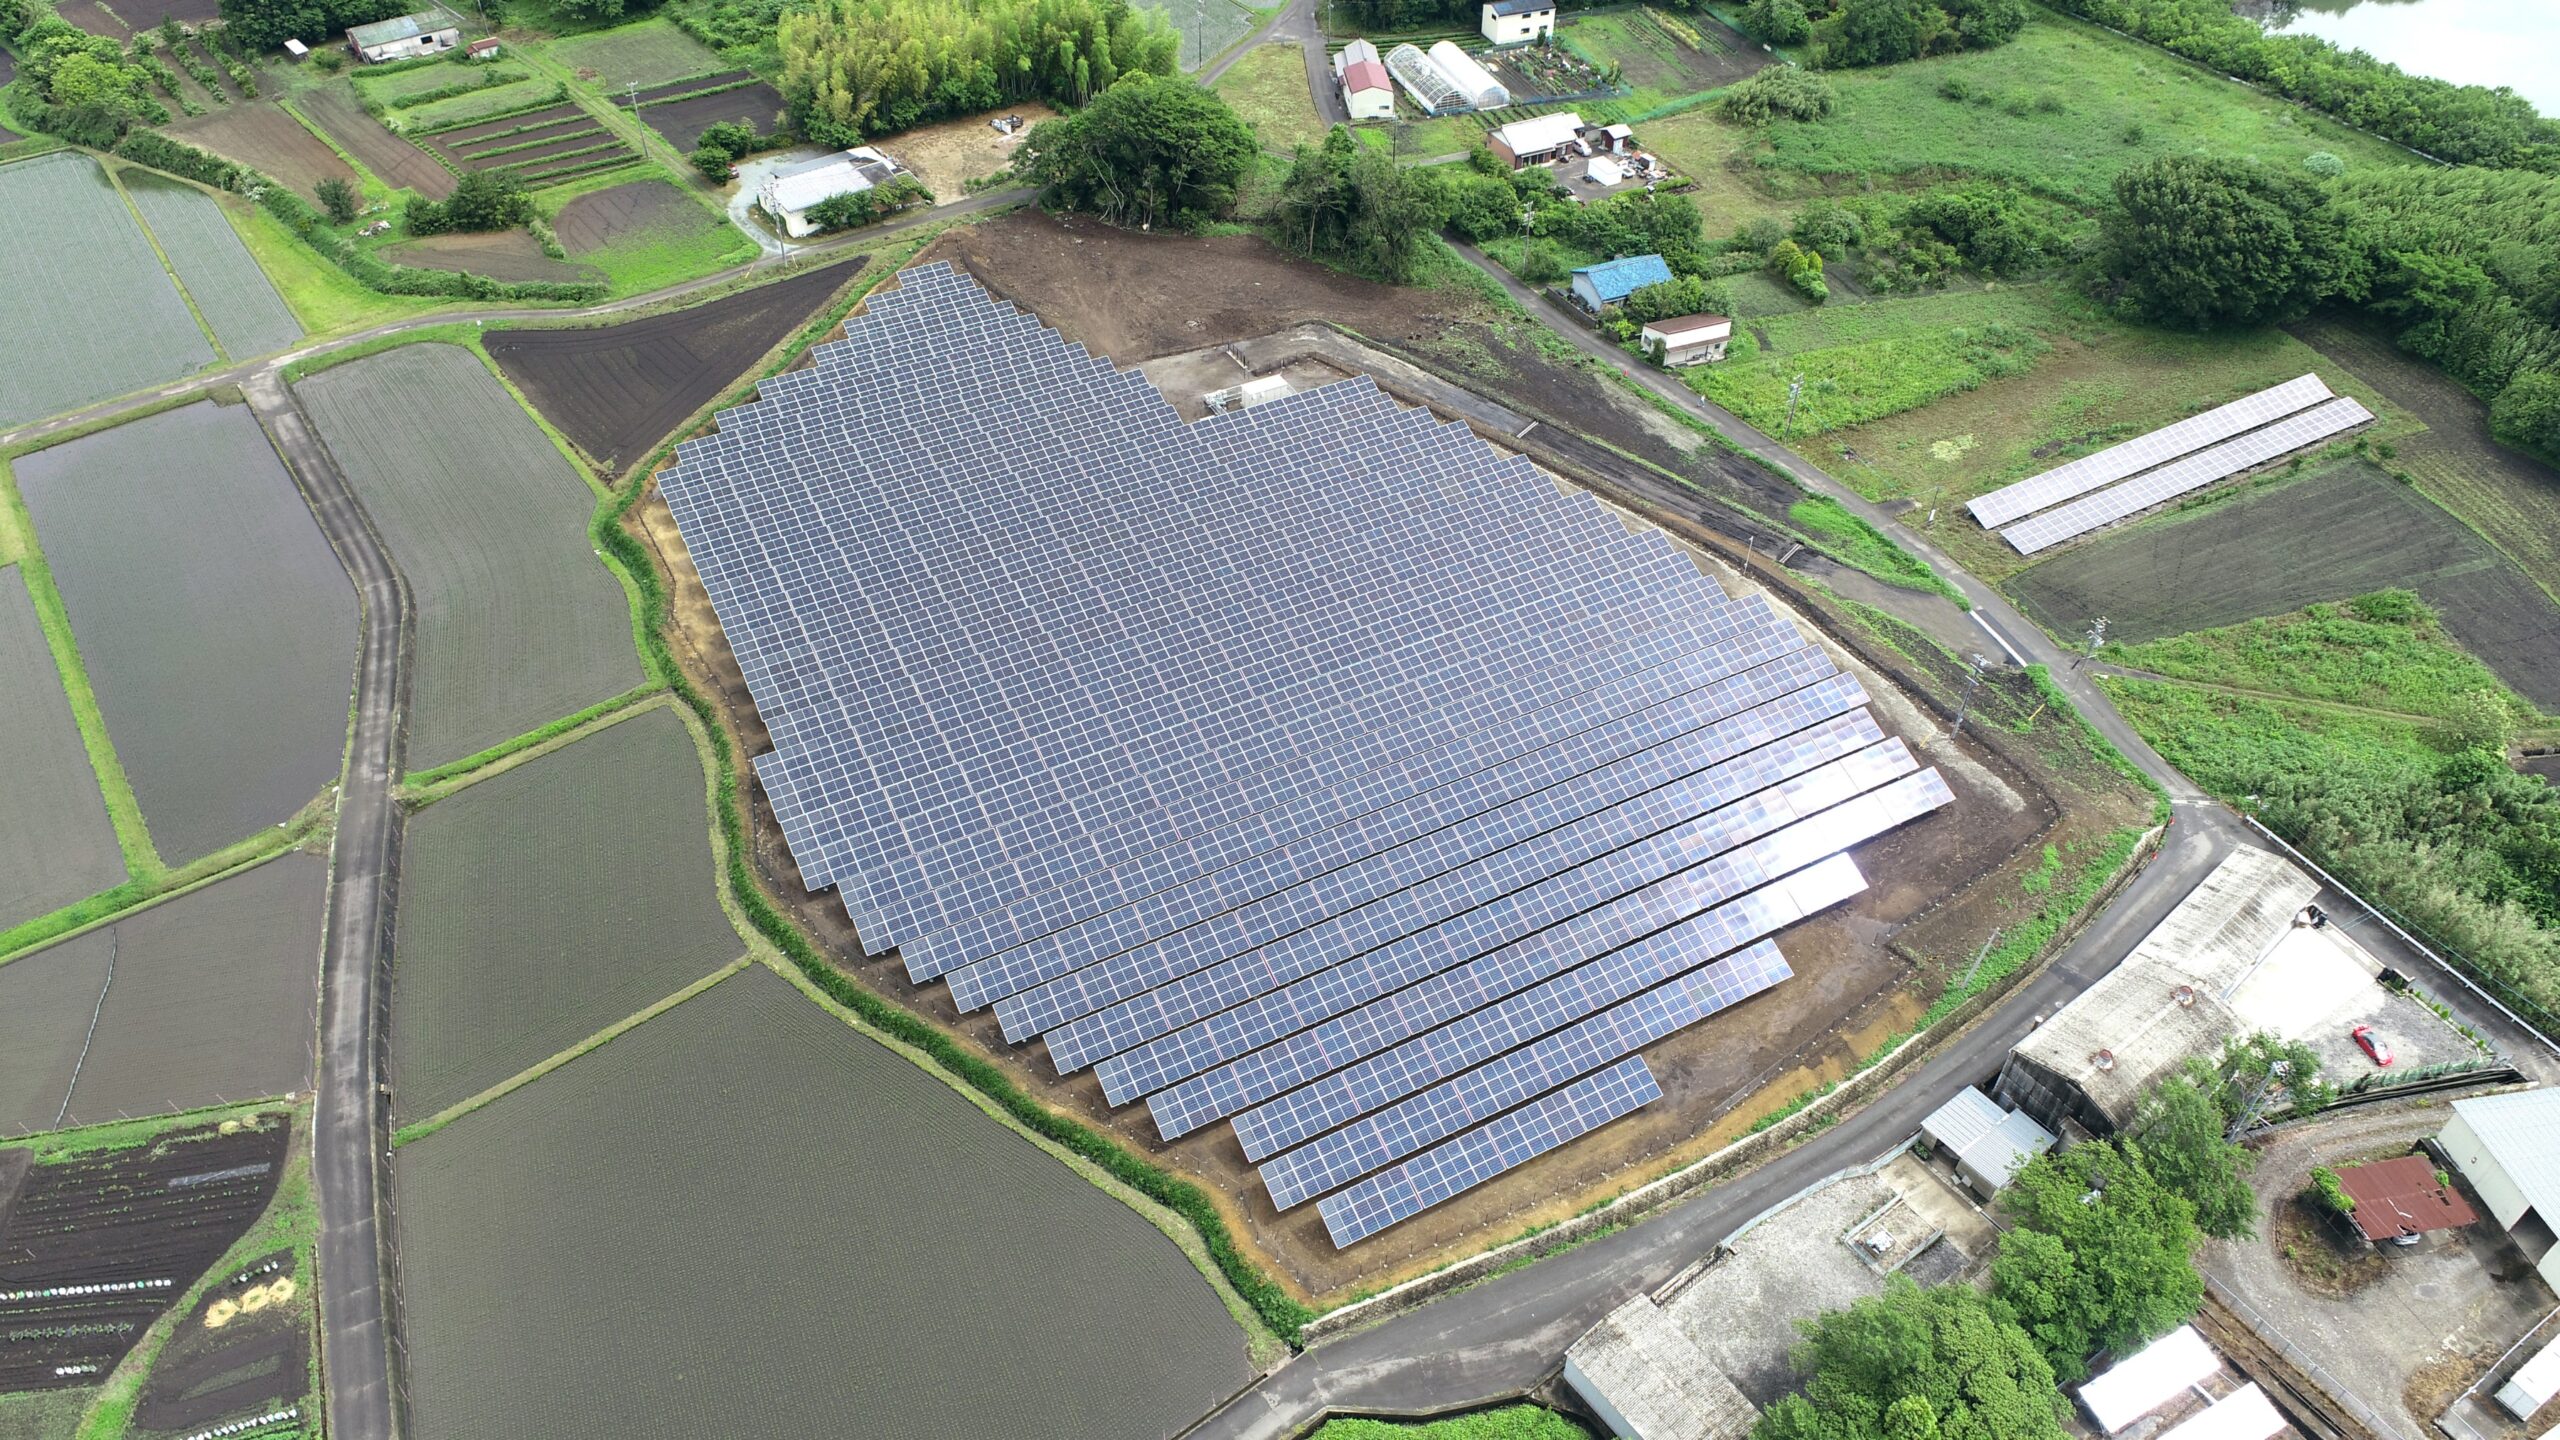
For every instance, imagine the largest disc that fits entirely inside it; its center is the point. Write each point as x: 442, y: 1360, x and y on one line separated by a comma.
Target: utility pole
x: 2097, y: 638
x: 1198, y: 7
x: 1972, y: 682
x: 2248, y: 1115
x: 1795, y: 389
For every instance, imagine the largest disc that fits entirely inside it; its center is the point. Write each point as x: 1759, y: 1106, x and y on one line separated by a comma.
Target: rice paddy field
x: 652, y: 52
x: 2345, y: 529
x: 543, y: 904
x: 877, y: 1247
x: 203, y: 999
x: 215, y: 623
x: 56, y: 844
x: 234, y: 296
x: 86, y: 310
x: 517, y: 622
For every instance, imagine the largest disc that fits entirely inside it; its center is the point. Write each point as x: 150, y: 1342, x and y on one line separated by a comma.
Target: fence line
x: 2311, y: 1369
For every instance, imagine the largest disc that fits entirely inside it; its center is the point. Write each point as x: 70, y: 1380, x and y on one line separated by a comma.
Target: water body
x: 2514, y: 43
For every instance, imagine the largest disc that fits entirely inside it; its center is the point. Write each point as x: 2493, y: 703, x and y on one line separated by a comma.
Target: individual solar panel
x: 2143, y: 452
x: 1445, y: 1108
x: 2178, y: 477
x: 1507, y: 1142
x: 1541, y: 835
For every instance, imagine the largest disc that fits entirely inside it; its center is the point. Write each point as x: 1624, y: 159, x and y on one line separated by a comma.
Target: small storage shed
x: 482, y: 48
x: 1512, y: 22
x: 1700, y: 340
x: 1985, y: 1143
x: 404, y: 36
x: 2399, y: 1200
x: 2149, y: 1378
x: 1598, y: 287
x: 2244, y: 1414
x: 2533, y: 1384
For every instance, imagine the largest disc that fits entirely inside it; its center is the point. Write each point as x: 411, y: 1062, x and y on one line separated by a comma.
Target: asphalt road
x: 350, y: 1127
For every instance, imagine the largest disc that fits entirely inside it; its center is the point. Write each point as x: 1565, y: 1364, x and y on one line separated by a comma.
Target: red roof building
x: 2400, y: 1198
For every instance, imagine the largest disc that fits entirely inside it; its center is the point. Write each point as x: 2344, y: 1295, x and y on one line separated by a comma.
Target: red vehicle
x: 2373, y: 1045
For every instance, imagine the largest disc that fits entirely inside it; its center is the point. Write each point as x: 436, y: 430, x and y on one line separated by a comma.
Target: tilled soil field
x: 509, y: 138
x: 129, y: 16
x: 604, y: 217
x: 632, y: 1245
x: 398, y: 163
x: 243, y: 1351
x: 683, y: 121
x: 2346, y: 530
x: 266, y: 139
x: 518, y: 621
x: 617, y: 390
x: 498, y: 254
x: 55, y: 842
x: 135, y: 1227
x: 654, y: 94
x: 539, y: 906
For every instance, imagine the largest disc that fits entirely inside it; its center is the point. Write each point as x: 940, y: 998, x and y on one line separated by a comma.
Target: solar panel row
x: 1513, y: 1139
x: 2320, y: 422
x: 2157, y: 447
x: 1232, y: 754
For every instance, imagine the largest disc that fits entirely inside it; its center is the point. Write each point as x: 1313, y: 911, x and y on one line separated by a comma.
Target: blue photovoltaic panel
x: 1398, y: 891
x: 1355, y: 839
x: 2194, y: 472
x: 1510, y: 1140
x: 2143, y: 452
x: 1454, y: 1104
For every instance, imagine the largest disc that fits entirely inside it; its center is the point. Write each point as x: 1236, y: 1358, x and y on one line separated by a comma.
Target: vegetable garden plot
x: 86, y: 310
x: 488, y: 130
x: 518, y: 622
x: 234, y: 296
x: 617, y: 390
x: 217, y: 625
x: 134, y: 1228
x: 539, y: 906
x: 395, y: 161
x: 746, y: 1167
x: 56, y: 844
x: 683, y: 121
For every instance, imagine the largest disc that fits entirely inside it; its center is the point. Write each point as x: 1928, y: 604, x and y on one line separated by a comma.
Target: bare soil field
x: 215, y: 622
x: 860, y: 1240
x: 266, y: 139
x: 683, y: 121
x: 128, y: 16
x: 2344, y: 530
x: 606, y: 217
x: 508, y: 137
x: 1935, y: 888
x: 498, y: 254
x: 205, y: 999
x: 948, y: 155
x: 56, y: 844
x: 395, y: 161
x: 518, y: 622
x: 151, y: 1217
x: 690, y: 85
x: 617, y: 390
x: 541, y: 905
x: 229, y: 290
x: 86, y: 309
x: 244, y: 1349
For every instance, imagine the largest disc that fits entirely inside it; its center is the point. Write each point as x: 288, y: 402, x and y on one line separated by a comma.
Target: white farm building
x: 2508, y: 1147
x: 404, y: 37
x: 1367, y: 94
x: 790, y: 192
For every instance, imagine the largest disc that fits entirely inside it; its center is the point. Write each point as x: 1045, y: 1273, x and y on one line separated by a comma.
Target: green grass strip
x: 424, y: 786
x: 108, y: 906
x: 1838, y: 532
x: 2104, y: 748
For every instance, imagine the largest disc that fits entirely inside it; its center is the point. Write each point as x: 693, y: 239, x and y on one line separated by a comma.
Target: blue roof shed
x: 1611, y: 281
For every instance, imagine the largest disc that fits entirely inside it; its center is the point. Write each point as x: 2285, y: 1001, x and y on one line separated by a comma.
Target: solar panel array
x: 1314, y: 765
x: 2193, y: 472
x: 2158, y: 447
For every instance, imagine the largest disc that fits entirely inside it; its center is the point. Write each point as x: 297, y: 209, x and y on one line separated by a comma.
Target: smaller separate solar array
x: 2142, y: 452
x: 2231, y: 457
x: 1508, y: 1141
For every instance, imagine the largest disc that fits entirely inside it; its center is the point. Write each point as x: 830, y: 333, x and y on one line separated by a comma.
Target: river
x: 2515, y: 43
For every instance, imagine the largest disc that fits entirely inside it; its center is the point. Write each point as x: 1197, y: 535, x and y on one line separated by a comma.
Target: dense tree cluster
x: 80, y: 86
x: 1781, y: 92
x: 1353, y: 203
x: 2200, y: 242
x: 2468, y: 124
x: 2179, y: 1135
x: 1915, y: 1364
x: 2099, y: 1256
x: 858, y: 68
x: 1844, y: 33
x: 857, y: 208
x: 481, y: 200
x: 1152, y: 151
x: 262, y: 25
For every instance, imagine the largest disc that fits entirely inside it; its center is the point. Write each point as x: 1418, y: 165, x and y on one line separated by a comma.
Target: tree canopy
x: 2099, y: 1257
x: 266, y: 24
x: 2200, y: 243
x: 1352, y: 203
x: 481, y: 200
x: 1915, y: 1364
x: 858, y: 68
x: 2178, y: 1134
x: 1151, y: 150
x: 1881, y: 32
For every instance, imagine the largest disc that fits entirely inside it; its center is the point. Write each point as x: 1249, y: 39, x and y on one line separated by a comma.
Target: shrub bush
x: 1781, y: 92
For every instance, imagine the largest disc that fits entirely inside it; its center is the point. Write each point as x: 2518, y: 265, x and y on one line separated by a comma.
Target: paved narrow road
x: 350, y: 1132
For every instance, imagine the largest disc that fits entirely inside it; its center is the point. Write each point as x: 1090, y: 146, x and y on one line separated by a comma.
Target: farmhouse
x: 403, y: 36
x: 1598, y: 287
x: 1537, y: 141
x: 792, y: 191
x: 1688, y: 339
x: 1510, y: 22
x: 1367, y: 93
x: 2508, y: 1147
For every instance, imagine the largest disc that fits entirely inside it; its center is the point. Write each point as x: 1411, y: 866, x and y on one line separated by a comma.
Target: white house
x: 2508, y: 1147
x: 1367, y: 92
x: 1536, y: 140
x: 1510, y: 22
x: 790, y: 192
x: 403, y: 36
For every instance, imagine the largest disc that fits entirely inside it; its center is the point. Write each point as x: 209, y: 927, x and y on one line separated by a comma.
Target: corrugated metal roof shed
x: 1639, y: 1364
x: 2401, y: 1197
x: 1615, y: 280
x: 2149, y: 1378
x: 2522, y: 1129
x: 2244, y: 1414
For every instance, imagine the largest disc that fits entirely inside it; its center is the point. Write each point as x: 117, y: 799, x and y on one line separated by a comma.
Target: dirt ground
x: 948, y: 155
x: 399, y: 164
x: 598, y: 219
x: 1932, y: 890
x: 243, y: 1350
x: 498, y: 254
x: 120, y: 21
x: 265, y: 138
x: 683, y: 121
